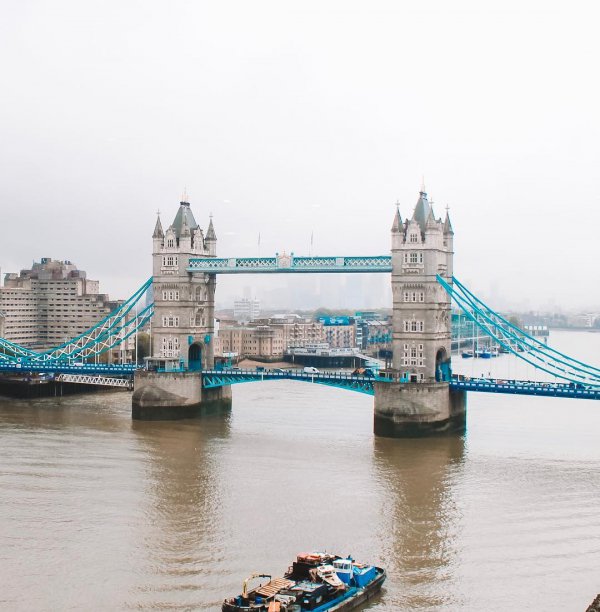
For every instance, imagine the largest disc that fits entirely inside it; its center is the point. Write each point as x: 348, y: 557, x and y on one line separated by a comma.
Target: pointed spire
x: 397, y: 225
x: 185, y: 228
x: 184, y: 217
x: 431, y: 222
x: 158, y: 230
x: 184, y: 197
x: 210, y: 233
x: 422, y: 210
x: 423, y: 190
x: 431, y: 203
x: 447, y: 224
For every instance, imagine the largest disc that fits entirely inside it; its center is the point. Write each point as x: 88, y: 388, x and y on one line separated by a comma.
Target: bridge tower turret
x: 183, y: 322
x: 211, y: 239
x: 182, y: 325
x: 421, y: 402
x: 421, y: 308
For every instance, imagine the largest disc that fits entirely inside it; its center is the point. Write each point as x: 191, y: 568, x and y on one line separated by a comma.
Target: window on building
x: 170, y: 243
x: 413, y: 237
x: 413, y: 326
x: 414, y: 258
x: 170, y: 347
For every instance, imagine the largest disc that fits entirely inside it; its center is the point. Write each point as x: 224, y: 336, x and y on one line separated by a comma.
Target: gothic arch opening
x: 442, y: 365
x: 195, y: 357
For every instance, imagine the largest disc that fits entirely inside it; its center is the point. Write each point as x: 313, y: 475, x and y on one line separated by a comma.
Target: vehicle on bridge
x: 363, y: 372
x: 310, y: 370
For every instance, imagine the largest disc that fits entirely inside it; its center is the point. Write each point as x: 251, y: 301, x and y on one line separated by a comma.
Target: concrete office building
x: 50, y: 303
x: 246, y: 309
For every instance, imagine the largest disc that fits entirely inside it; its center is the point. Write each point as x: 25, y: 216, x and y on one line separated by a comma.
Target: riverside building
x: 52, y: 302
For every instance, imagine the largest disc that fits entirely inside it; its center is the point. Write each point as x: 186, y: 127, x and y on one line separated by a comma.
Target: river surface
x: 101, y: 513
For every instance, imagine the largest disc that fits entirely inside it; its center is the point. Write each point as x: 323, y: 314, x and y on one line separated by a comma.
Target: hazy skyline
x: 293, y: 119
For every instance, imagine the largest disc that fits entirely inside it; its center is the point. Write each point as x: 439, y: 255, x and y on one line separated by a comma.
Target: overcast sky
x: 292, y: 118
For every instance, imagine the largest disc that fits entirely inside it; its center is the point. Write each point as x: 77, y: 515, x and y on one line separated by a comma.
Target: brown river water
x: 101, y: 513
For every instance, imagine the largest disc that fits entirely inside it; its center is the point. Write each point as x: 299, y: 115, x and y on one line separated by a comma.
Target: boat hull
x: 368, y: 592
x: 347, y: 601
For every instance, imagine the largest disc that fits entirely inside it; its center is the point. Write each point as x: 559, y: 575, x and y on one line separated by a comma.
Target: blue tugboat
x: 318, y: 582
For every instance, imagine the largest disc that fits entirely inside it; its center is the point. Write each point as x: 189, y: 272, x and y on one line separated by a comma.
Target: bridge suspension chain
x: 111, y: 331
x: 531, y: 341
x: 518, y: 342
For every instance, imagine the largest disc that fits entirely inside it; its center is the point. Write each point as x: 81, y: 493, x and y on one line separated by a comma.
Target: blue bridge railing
x: 341, y: 380
x: 64, y: 367
x: 364, y: 384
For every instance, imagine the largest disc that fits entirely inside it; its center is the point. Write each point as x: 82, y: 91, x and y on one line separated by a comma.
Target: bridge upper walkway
x: 290, y: 264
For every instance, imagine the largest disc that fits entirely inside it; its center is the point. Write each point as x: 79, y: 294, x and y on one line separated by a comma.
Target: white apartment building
x: 246, y: 309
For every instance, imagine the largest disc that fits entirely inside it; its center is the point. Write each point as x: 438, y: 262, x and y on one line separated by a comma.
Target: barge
x: 316, y: 582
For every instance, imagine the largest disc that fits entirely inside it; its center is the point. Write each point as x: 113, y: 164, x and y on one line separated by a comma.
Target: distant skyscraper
x: 246, y: 309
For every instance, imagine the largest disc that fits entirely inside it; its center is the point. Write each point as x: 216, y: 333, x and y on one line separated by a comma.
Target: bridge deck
x: 340, y: 379
x: 364, y: 384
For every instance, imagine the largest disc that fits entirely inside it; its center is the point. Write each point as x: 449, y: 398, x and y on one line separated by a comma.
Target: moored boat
x: 318, y: 582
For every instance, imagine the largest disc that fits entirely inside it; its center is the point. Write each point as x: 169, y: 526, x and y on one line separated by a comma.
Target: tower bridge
x: 419, y: 395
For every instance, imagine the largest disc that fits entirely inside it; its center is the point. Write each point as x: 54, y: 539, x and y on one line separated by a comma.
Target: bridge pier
x: 167, y: 396
x: 412, y: 410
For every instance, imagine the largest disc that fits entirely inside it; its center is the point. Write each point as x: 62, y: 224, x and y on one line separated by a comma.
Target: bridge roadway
x: 364, y: 384
x: 340, y: 379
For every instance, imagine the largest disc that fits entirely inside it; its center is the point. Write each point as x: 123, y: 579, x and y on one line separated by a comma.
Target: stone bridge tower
x: 182, y: 325
x: 420, y: 402
x: 183, y: 321
x: 421, y: 249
